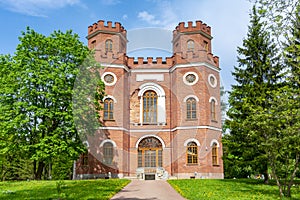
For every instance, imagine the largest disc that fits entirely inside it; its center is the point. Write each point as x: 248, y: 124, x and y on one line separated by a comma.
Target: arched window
x: 108, y: 110
x: 191, y: 111
x: 85, y: 158
x: 213, y: 109
x: 192, y: 153
x: 108, y: 45
x: 150, y: 152
x: 214, y: 154
x: 150, y: 107
x: 93, y: 44
x: 108, y: 153
x: 190, y: 45
x: 205, y: 45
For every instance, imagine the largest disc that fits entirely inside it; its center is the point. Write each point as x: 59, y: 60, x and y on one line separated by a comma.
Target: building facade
x: 161, y: 117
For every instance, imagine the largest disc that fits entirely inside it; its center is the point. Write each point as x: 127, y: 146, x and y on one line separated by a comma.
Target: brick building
x: 161, y: 117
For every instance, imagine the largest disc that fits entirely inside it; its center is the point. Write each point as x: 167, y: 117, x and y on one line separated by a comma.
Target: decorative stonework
x: 109, y: 78
x: 134, y: 108
x: 212, y: 80
x: 147, y: 77
x: 191, y: 72
x: 190, y: 78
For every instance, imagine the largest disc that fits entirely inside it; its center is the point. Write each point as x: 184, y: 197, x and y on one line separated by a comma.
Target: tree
x: 257, y: 73
x: 37, y: 98
x: 267, y: 110
x: 279, y: 15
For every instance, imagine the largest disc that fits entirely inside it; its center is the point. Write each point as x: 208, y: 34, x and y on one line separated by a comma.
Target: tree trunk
x: 278, y: 183
x: 293, y: 176
x: 38, y: 173
x: 266, y: 177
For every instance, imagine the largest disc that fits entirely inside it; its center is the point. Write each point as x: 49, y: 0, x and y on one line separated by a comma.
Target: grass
x: 239, y: 189
x: 80, y: 189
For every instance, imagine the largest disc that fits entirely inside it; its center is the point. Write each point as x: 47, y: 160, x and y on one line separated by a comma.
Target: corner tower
x: 109, y: 42
x: 193, y: 43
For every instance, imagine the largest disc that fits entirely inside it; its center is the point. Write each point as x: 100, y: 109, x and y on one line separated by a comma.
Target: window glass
x: 192, y: 153
x: 190, y: 45
x: 108, y: 109
x: 191, y: 112
x: 215, y: 154
x: 150, y: 107
x: 108, y: 153
x: 108, y: 45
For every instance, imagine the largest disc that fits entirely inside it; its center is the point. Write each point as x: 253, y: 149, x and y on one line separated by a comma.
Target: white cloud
x: 36, y: 7
x: 228, y: 19
x: 125, y: 17
x: 165, y: 11
x: 145, y: 16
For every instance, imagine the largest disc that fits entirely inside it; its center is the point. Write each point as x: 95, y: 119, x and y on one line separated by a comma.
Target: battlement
x: 150, y: 61
x: 181, y: 28
x: 100, y: 26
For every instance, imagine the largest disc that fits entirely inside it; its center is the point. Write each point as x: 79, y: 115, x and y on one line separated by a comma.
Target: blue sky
x: 228, y: 18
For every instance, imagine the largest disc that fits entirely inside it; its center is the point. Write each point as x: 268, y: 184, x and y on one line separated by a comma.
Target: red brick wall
x: 125, y: 129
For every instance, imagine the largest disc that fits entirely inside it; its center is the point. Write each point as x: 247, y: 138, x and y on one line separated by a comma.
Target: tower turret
x: 108, y: 41
x: 192, y: 42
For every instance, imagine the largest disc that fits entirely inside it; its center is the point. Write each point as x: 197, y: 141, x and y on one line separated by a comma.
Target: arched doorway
x: 150, y: 153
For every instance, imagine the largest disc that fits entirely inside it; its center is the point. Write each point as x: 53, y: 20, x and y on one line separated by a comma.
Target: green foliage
x: 62, y: 168
x: 37, y: 119
x: 258, y: 72
x: 88, y: 93
x: 228, y: 189
x: 83, y: 189
x: 279, y: 15
x: 264, y: 109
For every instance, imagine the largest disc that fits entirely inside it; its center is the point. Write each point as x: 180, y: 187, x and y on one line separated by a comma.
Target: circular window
x: 190, y: 78
x: 109, y: 78
x: 212, y: 80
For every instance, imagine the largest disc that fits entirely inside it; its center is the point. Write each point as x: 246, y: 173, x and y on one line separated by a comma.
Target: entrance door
x: 150, y: 158
x: 150, y: 153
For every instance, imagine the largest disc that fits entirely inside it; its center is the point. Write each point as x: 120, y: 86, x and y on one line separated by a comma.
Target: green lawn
x: 232, y: 189
x: 80, y: 189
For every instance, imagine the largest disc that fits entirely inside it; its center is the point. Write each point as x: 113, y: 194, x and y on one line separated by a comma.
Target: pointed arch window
x: 190, y: 45
x: 213, y: 110
x: 192, y: 153
x: 108, y: 45
x: 108, y: 153
x: 205, y: 45
x: 108, y: 110
x: 150, y: 107
x: 215, y: 160
x: 191, y: 111
x: 85, y: 158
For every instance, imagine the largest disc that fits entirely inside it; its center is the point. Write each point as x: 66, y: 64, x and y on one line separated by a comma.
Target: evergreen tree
x: 257, y: 73
x: 264, y: 110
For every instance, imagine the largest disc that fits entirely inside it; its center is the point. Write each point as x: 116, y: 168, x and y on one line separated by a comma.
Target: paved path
x: 148, y: 190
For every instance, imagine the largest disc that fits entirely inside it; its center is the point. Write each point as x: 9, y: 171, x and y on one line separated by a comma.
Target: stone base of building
x: 98, y: 176
x: 199, y: 175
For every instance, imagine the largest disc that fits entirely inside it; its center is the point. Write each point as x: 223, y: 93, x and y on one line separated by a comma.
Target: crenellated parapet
x: 182, y: 28
x: 149, y: 61
x: 100, y: 26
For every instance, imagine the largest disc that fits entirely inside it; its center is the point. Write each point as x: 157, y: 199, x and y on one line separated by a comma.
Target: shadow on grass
x: 91, y: 189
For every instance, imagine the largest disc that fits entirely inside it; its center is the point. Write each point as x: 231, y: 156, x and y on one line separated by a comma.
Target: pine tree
x: 264, y: 107
x: 257, y: 73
